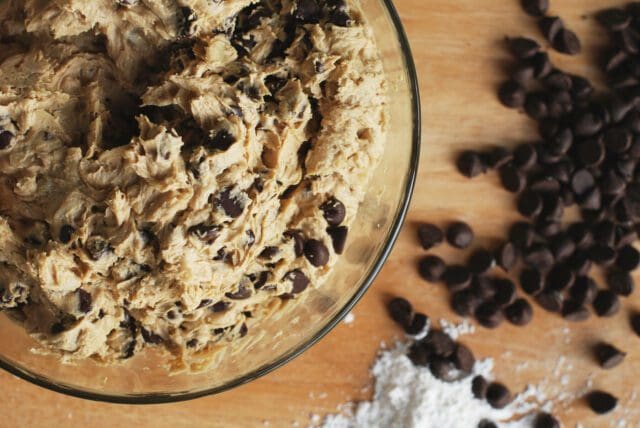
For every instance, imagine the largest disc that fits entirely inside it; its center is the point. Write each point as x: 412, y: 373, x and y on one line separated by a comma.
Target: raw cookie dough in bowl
x: 193, y: 192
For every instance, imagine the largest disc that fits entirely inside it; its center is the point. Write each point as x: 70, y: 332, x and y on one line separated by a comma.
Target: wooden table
x: 458, y: 48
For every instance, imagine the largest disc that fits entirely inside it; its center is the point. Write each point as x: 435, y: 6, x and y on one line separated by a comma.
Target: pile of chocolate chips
x: 587, y: 162
x: 449, y: 360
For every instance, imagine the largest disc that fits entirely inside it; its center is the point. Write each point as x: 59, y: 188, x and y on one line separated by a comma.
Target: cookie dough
x: 172, y: 171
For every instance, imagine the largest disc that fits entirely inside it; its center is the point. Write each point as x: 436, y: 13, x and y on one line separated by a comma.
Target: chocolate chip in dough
x: 66, y: 233
x: 601, y: 402
x: 430, y: 235
x: 84, y: 300
x: 338, y: 238
x: 150, y: 337
x: 608, y: 356
x: 230, y: 205
x: 334, y: 211
x: 298, y: 279
x: 307, y: 11
x: 545, y: 420
x: 5, y: 139
x: 316, y: 252
x: 298, y: 241
x: 241, y: 293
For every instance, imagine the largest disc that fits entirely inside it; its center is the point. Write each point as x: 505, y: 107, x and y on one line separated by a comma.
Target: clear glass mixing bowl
x: 279, y: 339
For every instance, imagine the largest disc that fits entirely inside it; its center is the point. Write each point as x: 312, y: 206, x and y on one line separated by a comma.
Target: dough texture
x: 172, y: 171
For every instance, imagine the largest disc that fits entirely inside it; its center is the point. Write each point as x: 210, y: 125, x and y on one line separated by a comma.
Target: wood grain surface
x: 458, y: 49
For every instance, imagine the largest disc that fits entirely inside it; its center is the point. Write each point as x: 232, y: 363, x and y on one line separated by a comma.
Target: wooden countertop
x: 458, y: 52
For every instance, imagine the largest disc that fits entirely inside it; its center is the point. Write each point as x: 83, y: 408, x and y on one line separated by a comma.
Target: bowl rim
x: 160, y: 398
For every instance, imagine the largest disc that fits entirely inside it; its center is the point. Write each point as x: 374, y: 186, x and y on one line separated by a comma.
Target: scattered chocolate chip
x: 432, y: 268
x: 606, y: 303
x: 628, y: 258
x: 400, y: 311
x: 523, y: 48
x: 480, y: 261
x: 505, y: 291
x: 512, y: 179
x: 443, y: 369
x: 298, y: 279
x: 470, y: 164
x: 539, y: 256
x: 459, y: 235
x: 601, y: 402
x: 634, y: 321
x: 614, y: 19
x: 583, y: 291
x: 545, y: 420
x: 550, y: 27
x: 602, y: 255
x: 531, y: 281
x: 334, y: 211
x: 483, y: 288
x: 620, y: 282
x: 489, y: 314
x: 456, y: 277
x: 465, y: 302
x: 506, y: 256
x: 479, y: 387
x: 338, y: 238
x: 498, y: 396
x: 316, y: 252
x: 497, y: 157
x: 535, y: 8
x: 439, y: 343
x: 567, y: 42
x: 559, y: 278
x: 511, y: 94
x: 529, y: 204
x: 463, y: 358
x: 417, y: 324
x: 608, y: 356
x: 521, y: 234
x: 430, y: 235
x: 519, y: 312
x: 574, y: 311
x: 550, y: 301
x: 419, y: 354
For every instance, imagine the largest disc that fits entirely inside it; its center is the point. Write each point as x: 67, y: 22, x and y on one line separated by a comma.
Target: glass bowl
x: 143, y: 379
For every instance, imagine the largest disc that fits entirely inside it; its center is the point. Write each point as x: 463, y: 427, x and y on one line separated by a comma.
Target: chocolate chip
x: 560, y: 278
x: 535, y: 105
x: 581, y: 88
x: 480, y: 261
x: 583, y: 291
x: 531, y: 281
x: 489, y: 314
x: 463, y: 358
x: 562, y: 247
x: 628, y: 258
x: 240, y: 294
x: 512, y: 179
x: 316, y: 252
x: 338, y: 238
x: 483, y: 287
x: 634, y: 321
x: 586, y: 124
x: 511, y: 94
x: 521, y: 234
x: 129, y: 350
x: 614, y: 19
x: 519, y: 312
x: 523, y: 48
x: 307, y: 11
x: 84, y: 300
x: 221, y: 140
x: 150, y: 337
x: 479, y: 387
x: 602, y: 255
x: 5, y: 139
x: 498, y: 396
x: 443, y: 369
x: 432, y: 268
x: 497, y: 157
x: 574, y: 311
x: 298, y: 279
x: 608, y: 356
x: 545, y: 420
x: 268, y: 252
x: 97, y: 247
x: 470, y: 164
x: 339, y: 18
x: 629, y: 40
x: 430, y: 235
x: 558, y: 81
x: 220, y: 306
x: 567, y: 42
x: 486, y: 423
x: 535, y: 8
x: 456, y: 278
x: 205, y: 233
x: 400, y: 311
x: 606, y: 303
x: 601, y: 402
x: 231, y: 206
x: 506, y: 256
x: 459, y: 235
x: 550, y: 27
x: 66, y: 233
x: 417, y: 324
x: 334, y: 211
x: 604, y: 233
x: 529, y: 204
x: 439, y: 343
x: 192, y: 343
x: 591, y: 152
x: 620, y: 282
x: 298, y: 241
x: 465, y: 302
x: 539, y: 256
x: 550, y: 301
x: 505, y: 291
x: 580, y: 234
x: 419, y: 354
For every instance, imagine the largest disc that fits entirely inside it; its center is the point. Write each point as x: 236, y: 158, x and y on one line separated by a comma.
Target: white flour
x: 407, y: 396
